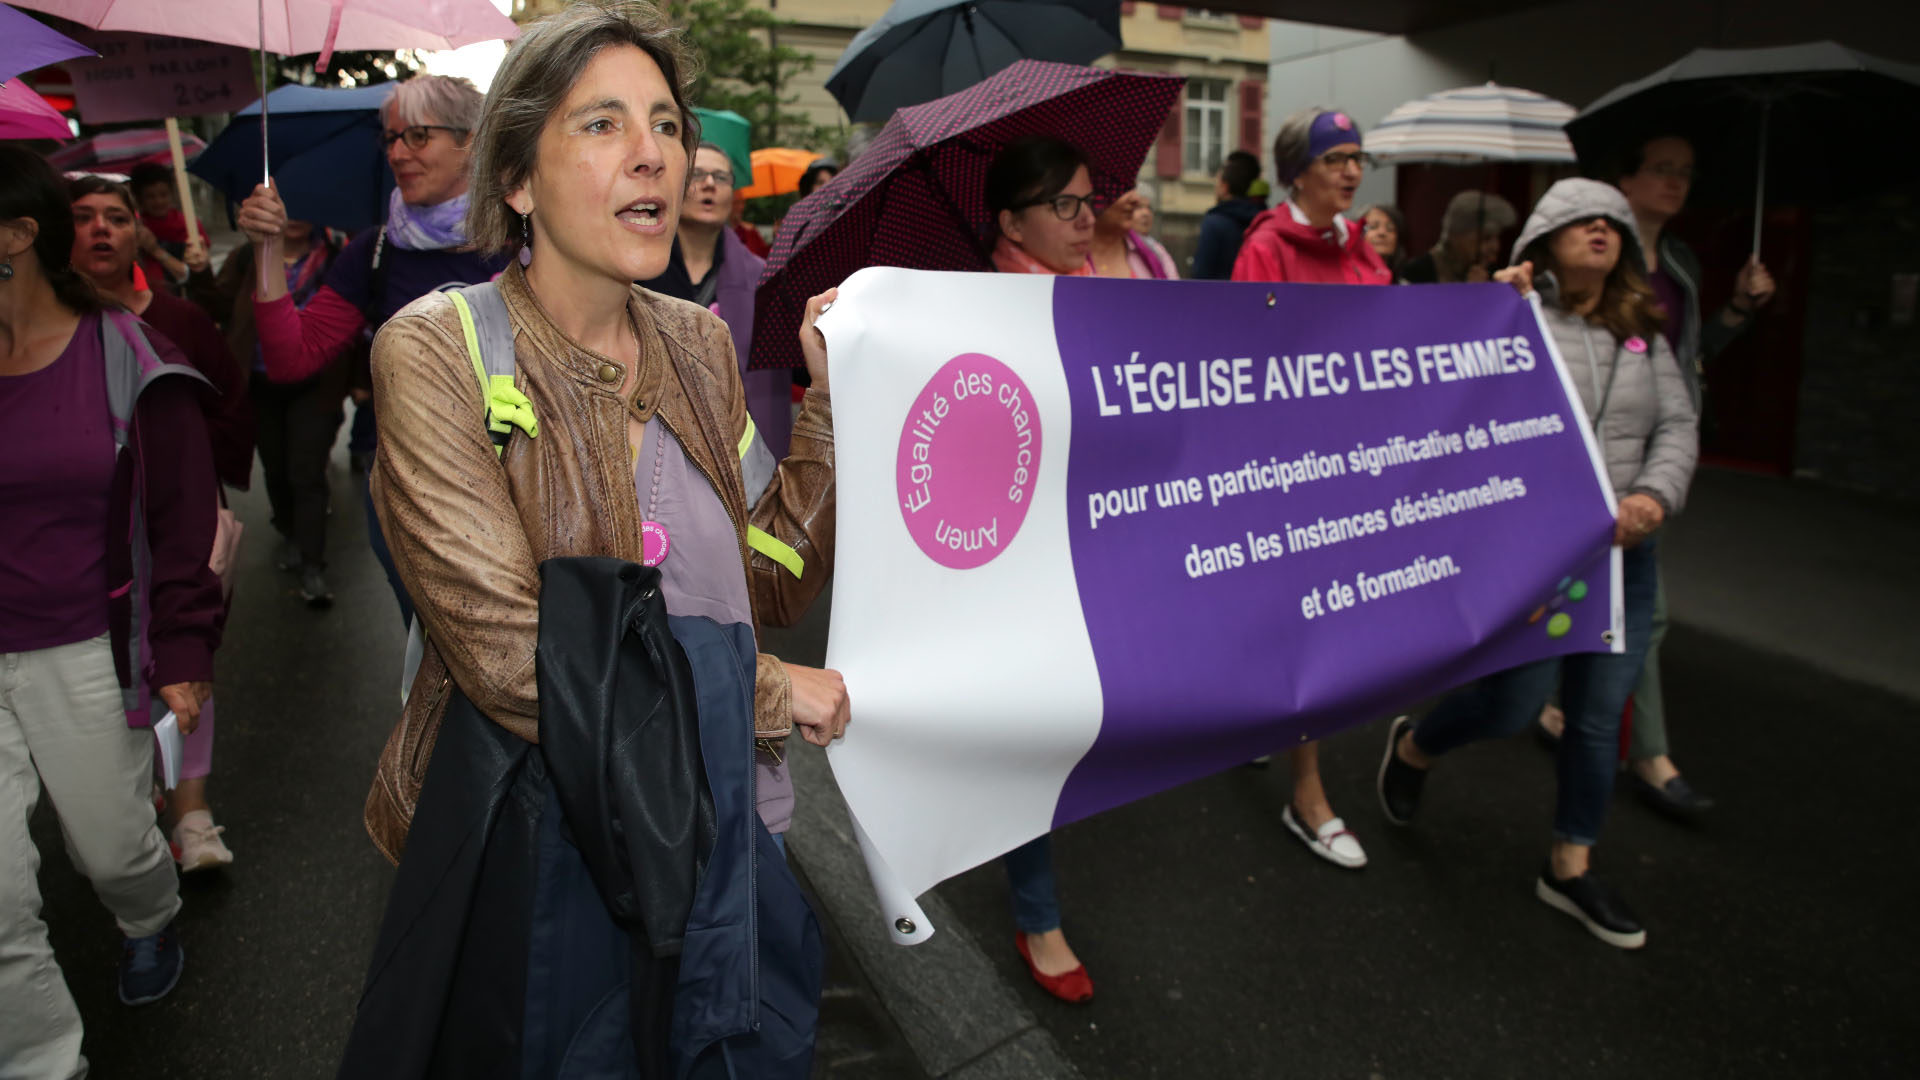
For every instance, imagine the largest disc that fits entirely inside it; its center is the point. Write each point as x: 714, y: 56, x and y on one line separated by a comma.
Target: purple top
x: 57, y: 442
x: 701, y: 575
x: 1674, y: 302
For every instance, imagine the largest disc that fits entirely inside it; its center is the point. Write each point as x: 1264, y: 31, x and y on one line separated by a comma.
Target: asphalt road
x: 1781, y: 936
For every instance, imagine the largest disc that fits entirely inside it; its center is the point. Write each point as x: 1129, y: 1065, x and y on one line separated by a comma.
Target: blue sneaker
x: 150, y: 966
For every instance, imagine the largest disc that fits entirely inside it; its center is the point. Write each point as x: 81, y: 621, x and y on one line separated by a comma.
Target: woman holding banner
x: 623, y: 441
x: 1308, y: 239
x: 1584, y: 242
x: 1040, y: 192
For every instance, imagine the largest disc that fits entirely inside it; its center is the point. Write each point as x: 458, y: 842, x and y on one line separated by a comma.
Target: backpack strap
x: 756, y: 472
x: 489, y: 335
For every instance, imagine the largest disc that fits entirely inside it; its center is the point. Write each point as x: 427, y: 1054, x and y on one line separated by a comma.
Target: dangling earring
x: 6, y: 268
x: 526, y: 241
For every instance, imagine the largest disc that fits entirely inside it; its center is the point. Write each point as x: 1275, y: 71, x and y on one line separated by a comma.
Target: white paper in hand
x: 167, y: 733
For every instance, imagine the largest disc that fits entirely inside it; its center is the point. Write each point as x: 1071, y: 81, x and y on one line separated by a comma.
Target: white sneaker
x: 197, y: 843
x: 1333, y: 841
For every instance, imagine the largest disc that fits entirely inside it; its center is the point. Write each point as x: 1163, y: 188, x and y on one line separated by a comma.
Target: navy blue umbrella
x: 326, y: 160
x: 922, y: 50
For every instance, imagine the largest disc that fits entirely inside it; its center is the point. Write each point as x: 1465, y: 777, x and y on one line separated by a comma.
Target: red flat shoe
x: 1074, y: 987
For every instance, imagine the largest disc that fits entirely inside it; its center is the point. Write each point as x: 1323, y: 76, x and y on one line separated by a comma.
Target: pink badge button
x: 654, y: 543
x: 1636, y: 345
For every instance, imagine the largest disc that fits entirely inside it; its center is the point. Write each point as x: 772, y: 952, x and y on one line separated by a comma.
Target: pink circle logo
x: 969, y: 457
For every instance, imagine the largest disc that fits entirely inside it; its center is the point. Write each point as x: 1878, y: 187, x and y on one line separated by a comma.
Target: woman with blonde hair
x: 551, y: 934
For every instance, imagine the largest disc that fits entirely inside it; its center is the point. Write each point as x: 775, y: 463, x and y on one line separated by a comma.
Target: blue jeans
x: 1036, y: 906
x: 1594, y: 691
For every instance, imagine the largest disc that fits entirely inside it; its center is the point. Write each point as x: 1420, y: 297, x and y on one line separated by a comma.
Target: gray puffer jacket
x: 1633, y: 390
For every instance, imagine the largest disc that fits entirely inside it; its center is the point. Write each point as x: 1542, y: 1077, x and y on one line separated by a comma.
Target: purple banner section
x: 1294, y: 508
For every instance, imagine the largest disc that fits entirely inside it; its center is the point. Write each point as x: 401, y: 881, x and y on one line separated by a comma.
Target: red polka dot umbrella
x: 916, y: 196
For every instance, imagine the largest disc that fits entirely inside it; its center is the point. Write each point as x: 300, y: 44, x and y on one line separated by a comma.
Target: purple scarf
x: 427, y: 228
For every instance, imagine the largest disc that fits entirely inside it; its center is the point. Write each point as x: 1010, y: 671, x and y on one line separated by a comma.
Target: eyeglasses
x: 720, y: 177
x: 416, y: 136
x: 1340, y: 159
x: 1673, y: 172
x: 1067, y: 207
x: 1378, y: 226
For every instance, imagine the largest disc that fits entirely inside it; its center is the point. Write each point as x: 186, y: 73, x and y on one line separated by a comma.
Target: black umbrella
x: 1791, y: 109
x: 922, y: 50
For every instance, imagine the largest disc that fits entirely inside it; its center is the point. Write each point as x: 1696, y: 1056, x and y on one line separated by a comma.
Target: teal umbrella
x: 731, y: 132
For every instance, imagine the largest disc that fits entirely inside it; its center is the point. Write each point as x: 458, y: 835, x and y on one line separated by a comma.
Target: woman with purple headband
x: 1317, y: 156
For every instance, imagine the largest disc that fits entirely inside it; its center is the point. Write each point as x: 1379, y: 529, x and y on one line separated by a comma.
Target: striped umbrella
x: 120, y: 151
x: 1474, y: 125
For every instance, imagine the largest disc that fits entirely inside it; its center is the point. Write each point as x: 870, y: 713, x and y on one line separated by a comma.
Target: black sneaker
x: 1400, y: 783
x: 150, y: 966
x: 1598, y: 907
x: 313, y: 588
x: 1677, y: 799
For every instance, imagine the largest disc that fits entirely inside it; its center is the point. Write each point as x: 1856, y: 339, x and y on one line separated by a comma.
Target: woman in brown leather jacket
x: 580, y: 165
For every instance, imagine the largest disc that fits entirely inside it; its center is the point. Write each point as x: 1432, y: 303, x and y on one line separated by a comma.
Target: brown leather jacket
x: 468, y: 535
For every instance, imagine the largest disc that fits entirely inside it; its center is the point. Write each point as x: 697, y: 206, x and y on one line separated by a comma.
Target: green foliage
x: 745, y: 70
x: 346, y: 68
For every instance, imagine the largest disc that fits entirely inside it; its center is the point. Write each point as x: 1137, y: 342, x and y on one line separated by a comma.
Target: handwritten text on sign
x: 145, y: 77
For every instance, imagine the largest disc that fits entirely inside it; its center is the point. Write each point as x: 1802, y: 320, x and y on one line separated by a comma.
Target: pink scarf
x: 1008, y: 258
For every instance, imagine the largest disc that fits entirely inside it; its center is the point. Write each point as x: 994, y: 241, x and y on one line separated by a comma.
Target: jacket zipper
x: 439, y: 693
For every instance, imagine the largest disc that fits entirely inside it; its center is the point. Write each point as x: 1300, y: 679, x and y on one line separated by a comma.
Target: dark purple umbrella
x: 916, y: 197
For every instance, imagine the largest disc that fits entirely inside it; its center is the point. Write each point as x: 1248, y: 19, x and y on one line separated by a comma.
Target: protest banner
x: 147, y: 77
x: 1098, y: 538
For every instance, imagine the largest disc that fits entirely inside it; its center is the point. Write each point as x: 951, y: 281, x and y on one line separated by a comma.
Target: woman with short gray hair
x: 1317, y: 156
x: 429, y: 125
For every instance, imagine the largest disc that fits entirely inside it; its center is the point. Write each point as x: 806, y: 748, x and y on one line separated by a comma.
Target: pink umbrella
x: 293, y: 27
x: 25, y: 115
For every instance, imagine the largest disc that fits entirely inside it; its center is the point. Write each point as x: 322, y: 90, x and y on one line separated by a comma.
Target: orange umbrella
x: 776, y: 171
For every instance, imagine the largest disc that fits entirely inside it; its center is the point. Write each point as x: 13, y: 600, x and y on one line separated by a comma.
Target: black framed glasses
x: 416, y: 136
x: 1067, y: 207
x: 720, y: 177
x: 1340, y: 159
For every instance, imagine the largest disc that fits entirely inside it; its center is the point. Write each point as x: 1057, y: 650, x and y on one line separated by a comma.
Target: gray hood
x: 1577, y: 199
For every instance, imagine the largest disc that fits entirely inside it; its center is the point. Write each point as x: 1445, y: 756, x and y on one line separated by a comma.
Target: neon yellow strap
x: 746, y: 438
x: 766, y: 544
x: 507, y: 408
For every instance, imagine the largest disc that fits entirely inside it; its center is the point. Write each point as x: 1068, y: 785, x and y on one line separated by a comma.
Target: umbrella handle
x: 1760, y: 182
x: 180, y: 179
x: 266, y: 167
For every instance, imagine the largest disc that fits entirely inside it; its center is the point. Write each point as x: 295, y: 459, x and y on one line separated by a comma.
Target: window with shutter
x: 1205, y: 138
x: 1253, y: 94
